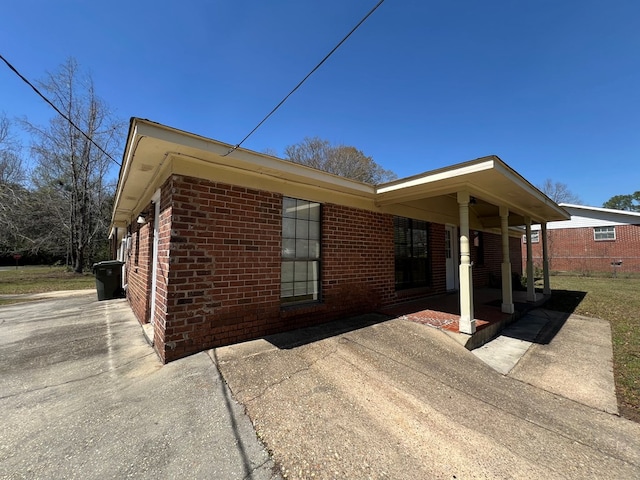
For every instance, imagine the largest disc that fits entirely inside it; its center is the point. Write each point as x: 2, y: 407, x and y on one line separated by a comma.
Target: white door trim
x: 452, y: 264
x: 154, y: 254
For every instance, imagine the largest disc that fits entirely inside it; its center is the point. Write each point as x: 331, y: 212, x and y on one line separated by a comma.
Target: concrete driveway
x: 398, y: 400
x: 82, y: 395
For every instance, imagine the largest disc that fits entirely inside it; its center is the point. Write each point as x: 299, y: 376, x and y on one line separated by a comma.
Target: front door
x: 451, y: 255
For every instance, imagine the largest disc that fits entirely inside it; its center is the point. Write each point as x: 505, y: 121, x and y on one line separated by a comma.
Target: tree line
x: 57, y: 206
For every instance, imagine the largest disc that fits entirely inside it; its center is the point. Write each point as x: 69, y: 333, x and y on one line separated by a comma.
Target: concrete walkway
x: 569, y: 355
x: 82, y: 395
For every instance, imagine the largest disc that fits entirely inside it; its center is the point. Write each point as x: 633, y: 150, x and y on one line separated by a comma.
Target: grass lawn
x: 618, y: 301
x: 41, y: 279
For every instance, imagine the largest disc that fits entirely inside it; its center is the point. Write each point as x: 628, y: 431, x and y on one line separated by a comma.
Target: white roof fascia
x: 125, y: 167
x: 256, y: 162
x: 431, y: 177
x: 525, y: 185
x: 600, y: 209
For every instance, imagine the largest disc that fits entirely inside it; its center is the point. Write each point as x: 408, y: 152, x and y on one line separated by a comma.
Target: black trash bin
x: 108, y: 279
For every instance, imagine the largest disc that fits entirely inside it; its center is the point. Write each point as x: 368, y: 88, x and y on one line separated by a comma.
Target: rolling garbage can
x: 108, y: 279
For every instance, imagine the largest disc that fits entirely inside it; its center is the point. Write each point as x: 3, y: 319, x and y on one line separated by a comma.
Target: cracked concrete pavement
x: 392, y: 399
x: 83, y: 395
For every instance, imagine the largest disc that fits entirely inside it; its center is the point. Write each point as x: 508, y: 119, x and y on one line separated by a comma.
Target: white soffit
x: 151, y: 148
x: 487, y: 178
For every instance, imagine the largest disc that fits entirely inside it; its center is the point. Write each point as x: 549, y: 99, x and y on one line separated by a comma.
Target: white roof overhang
x: 488, y: 180
x: 154, y: 152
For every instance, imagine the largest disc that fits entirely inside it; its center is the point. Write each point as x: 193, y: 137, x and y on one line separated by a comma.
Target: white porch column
x: 467, y: 322
x: 545, y: 260
x: 531, y: 291
x: 507, y: 288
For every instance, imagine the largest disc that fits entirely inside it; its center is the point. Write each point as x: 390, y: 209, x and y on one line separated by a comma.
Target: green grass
x: 41, y: 279
x: 618, y: 301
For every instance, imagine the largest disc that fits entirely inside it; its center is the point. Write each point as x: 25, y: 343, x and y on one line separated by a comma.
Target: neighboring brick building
x: 223, y: 247
x: 593, y: 240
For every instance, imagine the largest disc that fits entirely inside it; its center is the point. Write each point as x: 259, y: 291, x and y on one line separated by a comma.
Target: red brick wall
x: 575, y: 250
x: 357, y: 260
x: 162, y: 270
x: 482, y: 271
x: 515, y: 249
x: 224, y: 273
x: 218, y: 278
x: 223, y: 281
x: 489, y: 272
x: 138, y: 274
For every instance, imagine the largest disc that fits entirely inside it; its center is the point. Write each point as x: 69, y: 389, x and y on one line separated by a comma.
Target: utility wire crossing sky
x: 550, y: 87
x: 307, y: 76
x: 41, y: 95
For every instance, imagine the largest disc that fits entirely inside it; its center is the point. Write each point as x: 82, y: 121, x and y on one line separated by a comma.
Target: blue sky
x: 552, y: 87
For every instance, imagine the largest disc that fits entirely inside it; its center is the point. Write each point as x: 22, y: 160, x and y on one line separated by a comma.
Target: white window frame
x: 301, y: 258
x: 603, y: 234
x: 535, y: 237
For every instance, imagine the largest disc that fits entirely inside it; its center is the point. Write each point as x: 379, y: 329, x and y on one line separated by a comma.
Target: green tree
x: 624, y: 202
x: 71, y: 172
x: 342, y: 160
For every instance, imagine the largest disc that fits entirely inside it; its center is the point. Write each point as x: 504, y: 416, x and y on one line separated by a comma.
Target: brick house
x: 223, y: 245
x: 593, y: 240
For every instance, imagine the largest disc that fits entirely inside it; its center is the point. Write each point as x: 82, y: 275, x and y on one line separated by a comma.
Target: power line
x: 35, y: 89
x: 305, y: 78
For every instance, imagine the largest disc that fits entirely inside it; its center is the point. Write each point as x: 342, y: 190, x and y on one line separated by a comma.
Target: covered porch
x: 482, y: 195
x: 443, y: 312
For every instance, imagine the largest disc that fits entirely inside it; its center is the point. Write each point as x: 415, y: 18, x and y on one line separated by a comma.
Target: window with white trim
x: 604, y: 233
x: 535, y: 237
x: 300, y: 269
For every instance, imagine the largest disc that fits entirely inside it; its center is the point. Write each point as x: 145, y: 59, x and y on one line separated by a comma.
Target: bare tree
x: 341, y: 160
x: 13, y: 195
x: 11, y: 167
x: 270, y: 151
x: 70, y: 170
x: 559, y: 192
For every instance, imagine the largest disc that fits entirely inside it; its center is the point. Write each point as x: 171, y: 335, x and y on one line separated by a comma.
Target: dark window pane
x: 288, y: 228
x: 303, y: 210
x: 314, y: 230
x: 288, y: 248
x: 289, y: 207
x: 411, y: 252
x: 302, y: 228
x: 314, y: 212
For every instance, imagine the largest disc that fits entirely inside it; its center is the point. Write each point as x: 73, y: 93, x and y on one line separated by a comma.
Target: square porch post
x: 531, y: 292
x: 467, y: 321
x: 507, y: 288
x: 545, y: 260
